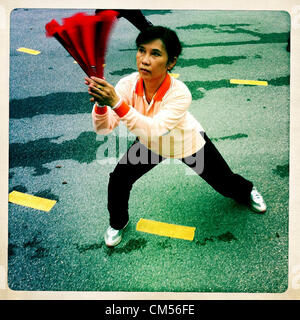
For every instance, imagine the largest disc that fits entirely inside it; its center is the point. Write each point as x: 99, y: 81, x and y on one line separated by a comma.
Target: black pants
x: 215, y: 172
x: 135, y: 17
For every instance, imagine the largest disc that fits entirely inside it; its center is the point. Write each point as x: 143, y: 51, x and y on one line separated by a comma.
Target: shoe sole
x: 258, y: 211
x: 113, y: 245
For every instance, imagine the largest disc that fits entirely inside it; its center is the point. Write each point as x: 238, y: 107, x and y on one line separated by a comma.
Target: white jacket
x: 164, y: 126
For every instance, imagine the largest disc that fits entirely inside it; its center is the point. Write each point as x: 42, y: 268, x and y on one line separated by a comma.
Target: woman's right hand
x: 102, y: 91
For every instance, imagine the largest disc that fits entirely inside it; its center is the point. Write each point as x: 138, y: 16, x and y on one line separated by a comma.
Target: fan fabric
x: 85, y: 37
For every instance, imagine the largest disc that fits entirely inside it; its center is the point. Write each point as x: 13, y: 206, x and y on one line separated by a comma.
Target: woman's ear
x: 171, y: 64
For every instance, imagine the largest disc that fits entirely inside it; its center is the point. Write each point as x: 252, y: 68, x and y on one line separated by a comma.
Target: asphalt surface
x: 55, y: 154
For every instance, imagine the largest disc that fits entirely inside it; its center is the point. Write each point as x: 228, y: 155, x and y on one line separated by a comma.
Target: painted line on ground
x: 31, y: 201
x: 29, y: 51
x: 250, y: 82
x: 166, y: 229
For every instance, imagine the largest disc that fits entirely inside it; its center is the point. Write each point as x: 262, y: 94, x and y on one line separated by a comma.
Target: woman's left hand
x: 101, y: 91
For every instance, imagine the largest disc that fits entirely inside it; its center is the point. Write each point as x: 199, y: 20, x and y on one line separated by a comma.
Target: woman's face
x: 152, y: 60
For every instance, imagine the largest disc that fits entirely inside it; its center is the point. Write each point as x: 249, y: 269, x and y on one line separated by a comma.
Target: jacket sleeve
x: 173, y: 109
x: 105, y: 120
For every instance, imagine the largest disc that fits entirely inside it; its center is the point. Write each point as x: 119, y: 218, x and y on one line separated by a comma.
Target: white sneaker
x: 257, y: 202
x: 113, y: 237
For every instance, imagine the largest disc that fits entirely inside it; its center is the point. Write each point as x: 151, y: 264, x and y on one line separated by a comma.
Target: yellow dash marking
x: 31, y: 201
x: 174, y: 75
x: 74, y: 61
x: 166, y: 229
x: 29, y: 51
x: 250, y: 82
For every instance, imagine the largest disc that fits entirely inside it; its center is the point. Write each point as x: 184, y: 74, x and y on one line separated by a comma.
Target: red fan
x: 85, y: 37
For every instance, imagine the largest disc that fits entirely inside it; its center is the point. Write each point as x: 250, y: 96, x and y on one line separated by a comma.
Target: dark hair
x: 168, y: 37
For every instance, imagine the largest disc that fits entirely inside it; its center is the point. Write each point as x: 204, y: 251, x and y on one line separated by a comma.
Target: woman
x: 154, y: 106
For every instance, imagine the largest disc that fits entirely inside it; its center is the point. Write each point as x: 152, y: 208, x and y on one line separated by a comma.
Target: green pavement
x: 54, y: 153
